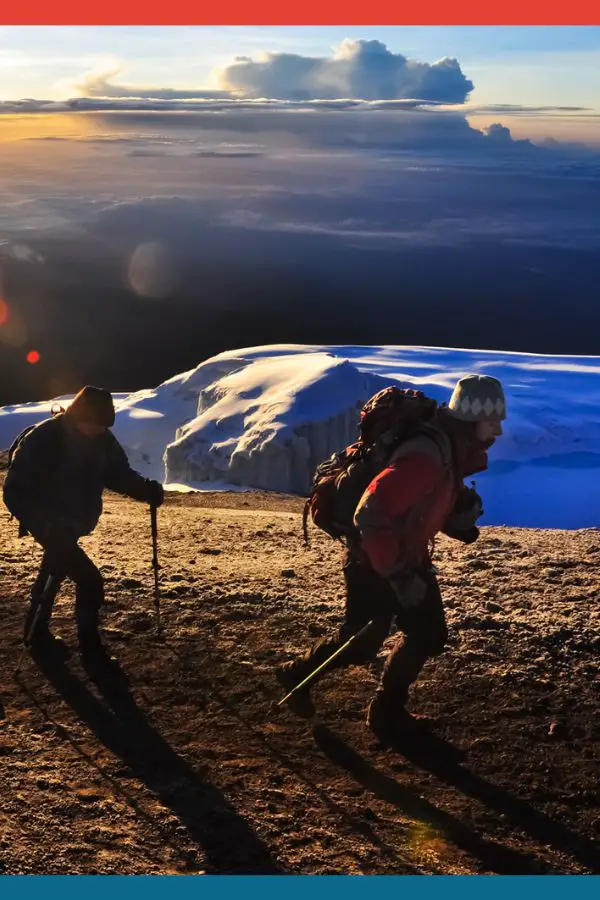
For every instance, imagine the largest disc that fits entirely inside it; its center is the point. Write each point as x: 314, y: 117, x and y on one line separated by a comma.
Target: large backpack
x: 18, y: 441
x: 52, y: 461
x: 387, y: 420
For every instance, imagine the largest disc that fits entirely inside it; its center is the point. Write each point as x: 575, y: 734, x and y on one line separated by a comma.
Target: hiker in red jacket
x: 388, y: 569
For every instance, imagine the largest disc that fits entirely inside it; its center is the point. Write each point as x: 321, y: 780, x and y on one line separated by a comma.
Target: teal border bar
x: 298, y: 887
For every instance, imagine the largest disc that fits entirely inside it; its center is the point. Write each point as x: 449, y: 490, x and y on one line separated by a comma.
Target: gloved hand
x: 410, y: 589
x: 156, y: 494
x: 460, y: 524
x: 466, y: 537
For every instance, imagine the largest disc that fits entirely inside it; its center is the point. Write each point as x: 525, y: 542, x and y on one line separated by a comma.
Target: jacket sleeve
x: 388, y: 504
x: 120, y: 477
x: 23, y: 488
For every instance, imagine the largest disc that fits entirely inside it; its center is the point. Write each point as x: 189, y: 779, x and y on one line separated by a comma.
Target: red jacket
x: 408, y: 503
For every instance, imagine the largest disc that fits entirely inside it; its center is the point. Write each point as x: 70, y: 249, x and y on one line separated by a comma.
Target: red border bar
x: 309, y: 12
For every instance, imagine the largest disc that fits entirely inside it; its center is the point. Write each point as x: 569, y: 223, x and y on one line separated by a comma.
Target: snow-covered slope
x: 269, y: 423
x: 265, y: 416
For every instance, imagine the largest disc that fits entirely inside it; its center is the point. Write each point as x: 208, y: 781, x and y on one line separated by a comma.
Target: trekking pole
x: 310, y: 677
x: 155, y: 565
x: 28, y: 637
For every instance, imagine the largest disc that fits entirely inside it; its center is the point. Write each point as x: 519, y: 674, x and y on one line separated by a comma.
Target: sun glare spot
x: 152, y: 272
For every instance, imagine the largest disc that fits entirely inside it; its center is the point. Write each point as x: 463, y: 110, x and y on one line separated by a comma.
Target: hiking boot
x: 390, y: 726
x: 300, y: 703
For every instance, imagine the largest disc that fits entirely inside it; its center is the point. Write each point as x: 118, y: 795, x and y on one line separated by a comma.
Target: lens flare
x: 33, y: 357
x: 12, y: 327
x: 152, y: 271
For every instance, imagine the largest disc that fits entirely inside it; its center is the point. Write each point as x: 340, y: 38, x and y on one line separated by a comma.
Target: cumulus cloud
x: 500, y: 137
x: 358, y: 69
x: 498, y: 133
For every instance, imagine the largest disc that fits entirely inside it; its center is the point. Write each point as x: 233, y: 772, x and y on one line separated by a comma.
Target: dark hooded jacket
x: 58, y: 475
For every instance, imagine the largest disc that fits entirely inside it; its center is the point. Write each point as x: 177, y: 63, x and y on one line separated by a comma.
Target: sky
x: 517, y: 66
x: 174, y: 192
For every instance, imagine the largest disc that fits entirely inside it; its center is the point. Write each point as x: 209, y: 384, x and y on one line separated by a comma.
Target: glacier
x: 264, y: 417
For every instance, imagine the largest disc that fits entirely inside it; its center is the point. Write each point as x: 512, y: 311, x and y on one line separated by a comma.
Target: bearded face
x: 487, y: 433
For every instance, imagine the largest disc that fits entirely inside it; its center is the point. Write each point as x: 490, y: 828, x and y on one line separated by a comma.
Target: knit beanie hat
x: 93, y: 405
x: 478, y: 398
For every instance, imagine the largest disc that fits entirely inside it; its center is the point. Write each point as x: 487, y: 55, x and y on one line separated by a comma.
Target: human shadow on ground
x: 434, y: 755
x: 229, y: 844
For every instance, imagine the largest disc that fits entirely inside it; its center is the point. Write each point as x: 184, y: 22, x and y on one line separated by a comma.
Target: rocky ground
x: 176, y: 762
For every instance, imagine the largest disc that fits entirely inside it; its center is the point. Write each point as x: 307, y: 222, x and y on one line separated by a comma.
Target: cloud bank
x: 339, y: 221
x: 358, y: 69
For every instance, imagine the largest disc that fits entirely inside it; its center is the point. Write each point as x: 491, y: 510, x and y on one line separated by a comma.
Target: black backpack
x: 20, y: 438
x: 18, y: 442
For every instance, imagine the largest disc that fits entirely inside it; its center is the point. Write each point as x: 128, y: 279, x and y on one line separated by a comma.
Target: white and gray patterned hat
x: 478, y: 398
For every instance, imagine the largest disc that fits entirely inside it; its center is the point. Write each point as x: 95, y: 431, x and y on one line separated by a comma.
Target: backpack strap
x: 17, y: 443
x: 427, y: 441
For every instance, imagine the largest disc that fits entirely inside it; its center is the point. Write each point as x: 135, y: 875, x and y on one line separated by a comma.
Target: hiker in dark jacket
x: 54, y: 488
x: 388, y: 570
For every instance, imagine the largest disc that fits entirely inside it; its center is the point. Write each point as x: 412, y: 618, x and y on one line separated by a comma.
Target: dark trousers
x: 369, y: 596
x: 73, y: 563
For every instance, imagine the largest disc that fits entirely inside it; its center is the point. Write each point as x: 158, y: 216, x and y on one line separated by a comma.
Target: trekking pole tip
x: 274, y: 708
